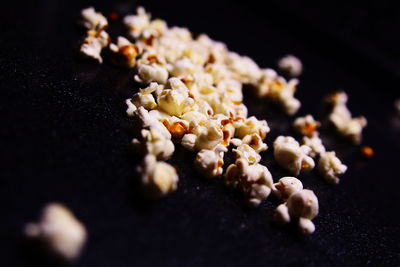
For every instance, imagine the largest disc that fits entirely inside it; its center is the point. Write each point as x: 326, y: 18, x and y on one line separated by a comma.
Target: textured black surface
x: 65, y: 137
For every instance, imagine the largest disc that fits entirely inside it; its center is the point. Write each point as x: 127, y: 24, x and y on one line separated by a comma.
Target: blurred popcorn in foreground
x: 291, y: 64
x: 58, y: 228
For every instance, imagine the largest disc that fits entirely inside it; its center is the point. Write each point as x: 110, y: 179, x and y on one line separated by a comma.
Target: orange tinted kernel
x: 113, y: 16
x: 305, y: 165
x: 367, y: 151
x: 309, y: 129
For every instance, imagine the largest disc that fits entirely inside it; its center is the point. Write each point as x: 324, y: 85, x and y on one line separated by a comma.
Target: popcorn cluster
x: 191, y: 94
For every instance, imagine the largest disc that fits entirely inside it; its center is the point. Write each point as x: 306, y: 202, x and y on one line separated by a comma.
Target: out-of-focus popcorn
x: 315, y: 143
x: 210, y: 162
x: 291, y: 64
x: 306, y: 125
x: 291, y: 156
x: 96, y: 38
x: 342, y: 120
x: 331, y: 167
x: 151, y: 73
x: 255, y: 180
x: 93, y: 20
x: 60, y: 230
x: 137, y: 23
x: 158, y: 178
x: 125, y: 52
x: 286, y: 186
x: 301, y: 207
x: 247, y: 153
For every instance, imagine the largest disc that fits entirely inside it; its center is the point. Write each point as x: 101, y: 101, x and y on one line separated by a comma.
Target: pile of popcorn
x: 191, y: 94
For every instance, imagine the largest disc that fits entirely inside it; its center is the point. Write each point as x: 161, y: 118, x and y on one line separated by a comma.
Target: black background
x: 65, y: 137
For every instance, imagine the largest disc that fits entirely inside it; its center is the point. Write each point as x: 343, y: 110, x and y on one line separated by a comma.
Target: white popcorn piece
x: 306, y: 125
x: 301, y: 207
x: 93, y: 20
x: 251, y: 126
x: 341, y: 118
x: 151, y: 73
x: 60, y: 230
x: 158, y: 178
x: 155, y: 143
x: 255, y: 141
x: 210, y: 162
x: 247, y: 153
x: 93, y: 44
x: 286, y: 186
x: 175, y: 101
x: 255, y: 181
x: 291, y: 156
x: 331, y: 167
x: 137, y: 23
x: 315, y: 143
x: 291, y: 64
x: 148, y: 120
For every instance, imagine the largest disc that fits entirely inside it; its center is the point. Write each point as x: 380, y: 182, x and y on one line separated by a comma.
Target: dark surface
x: 65, y: 138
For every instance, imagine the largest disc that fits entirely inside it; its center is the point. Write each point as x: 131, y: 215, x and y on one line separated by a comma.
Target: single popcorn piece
x: 137, y: 23
x: 58, y: 228
x: 206, y: 136
x: 341, y: 119
x: 175, y: 101
x: 291, y: 156
x: 291, y: 64
x: 306, y: 125
x: 255, y: 180
x: 247, y: 153
x: 155, y: 143
x: 331, y: 167
x: 93, y: 20
x: 301, y: 207
x: 286, y: 186
x: 254, y: 141
x: 125, y: 52
x: 144, y: 98
x: 210, y: 162
x: 315, y: 143
x: 151, y: 73
x: 158, y: 178
x: 251, y: 126
x: 94, y: 43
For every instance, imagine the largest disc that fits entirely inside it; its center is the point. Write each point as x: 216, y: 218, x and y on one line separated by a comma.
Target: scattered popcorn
x: 291, y: 156
x: 306, y: 125
x: 286, y: 186
x: 193, y: 95
x: 341, y: 118
x: 291, y: 64
x: 301, y: 207
x: 255, y: 180
x: 210, y: 162
x: 331, y: 167
x: 58, y: 228
x: 158, y: 178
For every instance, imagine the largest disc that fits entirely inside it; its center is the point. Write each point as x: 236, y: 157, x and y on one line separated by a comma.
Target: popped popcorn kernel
x: 286, y: 186
x: 331, y: 167
x: 210, y: 162
x: 291, y: 64
x: 60, y: 230
x: 306, y: 125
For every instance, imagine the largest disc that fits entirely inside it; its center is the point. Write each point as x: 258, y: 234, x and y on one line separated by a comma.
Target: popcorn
x: 252, y: 126
x: 93, y: 20
x: 306, y: 125
x: 207, y: 136
x: 291, y: 156
x: 255, y: 181
x: 291, y: 64
x: 301, y: 207
x: 125, y: 52
x: 144, y: 98
x: 137, y: 23
x: 315, y: 143
x: 151, y: 73
x: 341, y: 118
x: 255, y: 142
x: 247, y: 153
x: 331, y: 167
x: 58, y: 228
x: 286, y: 186
x: 210, y: 162
x: 149, y: 121
x: 94, y: 43
x: 158, y: 178
x: 155, y: 143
